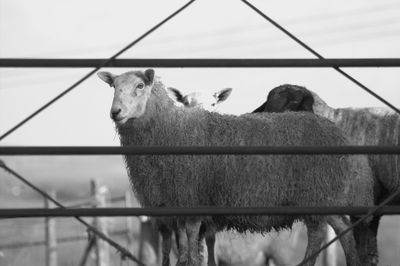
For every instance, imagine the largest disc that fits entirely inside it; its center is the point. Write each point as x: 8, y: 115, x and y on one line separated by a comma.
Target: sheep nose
x: 115, y: 113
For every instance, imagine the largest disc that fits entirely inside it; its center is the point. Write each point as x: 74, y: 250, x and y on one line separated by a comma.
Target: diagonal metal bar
x: 124, y: 252
x: 320, y: 56
x: 87, y: 251
x: 359, y: 221
x: 104, y: 64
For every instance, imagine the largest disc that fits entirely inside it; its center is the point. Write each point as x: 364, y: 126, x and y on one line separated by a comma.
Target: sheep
x: 200, y: 100
x: 144, y: 115
x: 208, y: 102
x: 363, y: 126
x: 193, y: 100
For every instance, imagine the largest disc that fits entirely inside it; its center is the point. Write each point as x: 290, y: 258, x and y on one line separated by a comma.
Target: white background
x: 207, y: 29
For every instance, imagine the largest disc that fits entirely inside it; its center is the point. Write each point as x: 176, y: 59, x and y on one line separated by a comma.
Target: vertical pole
x: 50, y: 234
x: 102, y: 249
x: 129, y: 223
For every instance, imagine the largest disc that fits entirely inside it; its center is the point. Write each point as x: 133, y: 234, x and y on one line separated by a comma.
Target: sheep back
x: 236, y: 180
x: 364, y: 127
x: 286, y: 180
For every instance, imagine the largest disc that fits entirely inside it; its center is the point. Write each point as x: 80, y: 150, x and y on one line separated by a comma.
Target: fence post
x: 102, y: 252
x: 129, y: 222
x: 50, y: 234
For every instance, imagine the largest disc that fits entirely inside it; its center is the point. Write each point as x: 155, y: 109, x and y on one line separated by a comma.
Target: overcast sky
x: 207, y: 29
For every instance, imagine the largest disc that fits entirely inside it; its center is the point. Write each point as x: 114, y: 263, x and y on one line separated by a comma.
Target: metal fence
x: 99, y: 198
x: 113, y: 62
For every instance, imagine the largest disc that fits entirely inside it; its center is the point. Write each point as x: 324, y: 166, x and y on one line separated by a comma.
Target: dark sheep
x: 362, y: 126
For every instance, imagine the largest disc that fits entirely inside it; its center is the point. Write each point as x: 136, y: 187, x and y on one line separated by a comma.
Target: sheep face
x: 201, y: 100
x: 295, y: 98
x: 288, y: 98
x: 131, y: 92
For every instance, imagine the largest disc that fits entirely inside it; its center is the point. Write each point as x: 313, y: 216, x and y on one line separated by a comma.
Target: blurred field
x: 70, y: 176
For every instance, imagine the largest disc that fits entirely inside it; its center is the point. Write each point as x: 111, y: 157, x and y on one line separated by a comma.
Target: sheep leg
x: 201, y: 242
x: 193, y: 233
x: 366, y: 241
x: 182, y: 243
x: 315, y: 234
x: 339, y: 224
x: 210, y: 241
x: 166, y: 235
x: 207, y: 233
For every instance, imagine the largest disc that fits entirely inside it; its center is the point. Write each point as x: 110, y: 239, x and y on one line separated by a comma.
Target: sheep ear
x: 222, y: 95
x: 107, y: 77
x: 149, y: 74
x: 175, y: 95
x: 295, y: 100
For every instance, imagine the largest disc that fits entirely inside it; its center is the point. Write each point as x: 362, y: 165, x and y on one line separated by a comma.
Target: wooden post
x: 129, y: 223
x: 102, y: 249
x: 50, y: 234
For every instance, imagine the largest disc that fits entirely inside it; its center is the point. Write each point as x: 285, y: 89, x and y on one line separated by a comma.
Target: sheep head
x: 209, y: 102
x: 131, y: 93
x: 289, y: 98
x: 295, y: 98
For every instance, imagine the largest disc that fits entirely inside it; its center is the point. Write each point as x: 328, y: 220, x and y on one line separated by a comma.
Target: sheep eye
x: 140, y: 86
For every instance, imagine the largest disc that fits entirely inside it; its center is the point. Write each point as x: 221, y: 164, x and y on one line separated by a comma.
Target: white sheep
x: 225, y: 247
x: 208, y: 102
x: 363, y: 126
x: 145, y: 115
x: 199, y: 99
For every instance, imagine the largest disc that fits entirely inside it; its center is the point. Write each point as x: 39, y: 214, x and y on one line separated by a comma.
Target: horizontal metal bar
x: 202, y: 211
x: 200, y: 63
x: 193, y: 150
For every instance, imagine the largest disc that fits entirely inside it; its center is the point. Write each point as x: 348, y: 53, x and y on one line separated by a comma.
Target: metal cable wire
x: 308, y: 48
x: 123, y: 251
x: 94, y: 71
